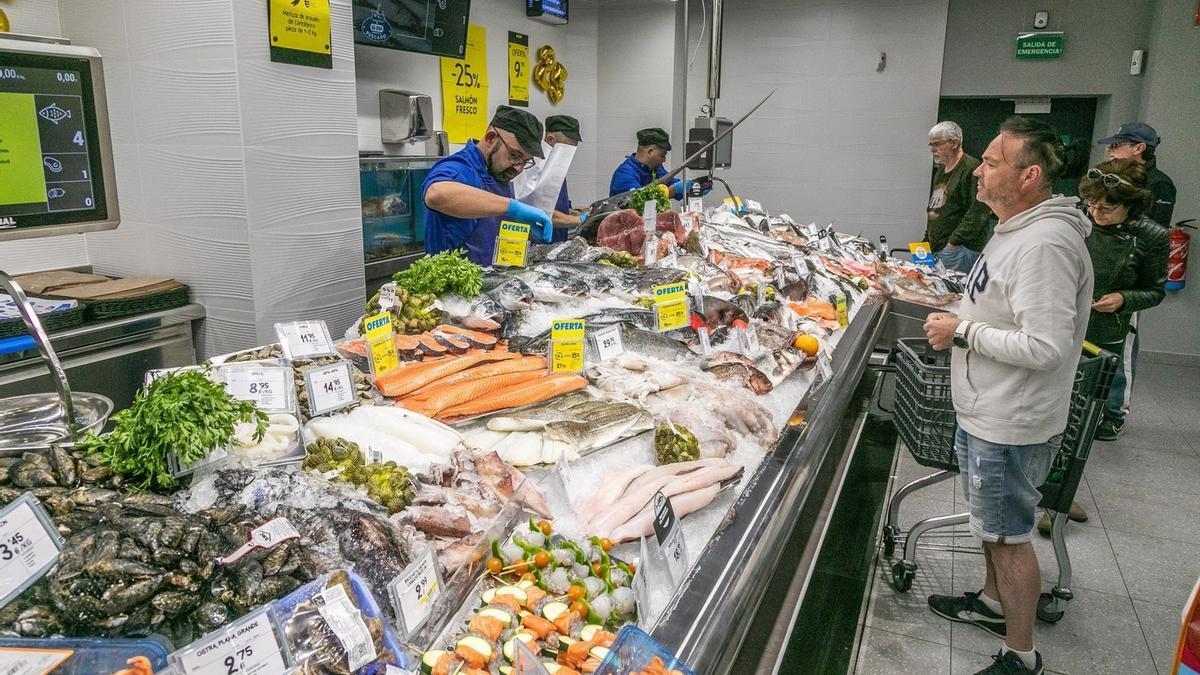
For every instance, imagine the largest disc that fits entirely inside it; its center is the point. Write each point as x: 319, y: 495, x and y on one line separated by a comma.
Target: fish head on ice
x: 513, y: 294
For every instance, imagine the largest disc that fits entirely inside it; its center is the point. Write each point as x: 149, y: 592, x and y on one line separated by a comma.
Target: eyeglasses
x: 1102, y: 209
x: 1111, y: 180
x: 513, y: 154
x: 1118, y: 144
x: 938, y: 144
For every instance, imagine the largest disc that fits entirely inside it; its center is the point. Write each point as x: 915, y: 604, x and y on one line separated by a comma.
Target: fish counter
x: 583, y: 461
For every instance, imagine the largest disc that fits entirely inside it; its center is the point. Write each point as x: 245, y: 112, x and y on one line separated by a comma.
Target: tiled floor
x: 1133, y: 563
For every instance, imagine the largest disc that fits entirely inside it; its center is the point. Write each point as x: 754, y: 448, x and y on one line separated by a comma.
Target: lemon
x: 807, y: 344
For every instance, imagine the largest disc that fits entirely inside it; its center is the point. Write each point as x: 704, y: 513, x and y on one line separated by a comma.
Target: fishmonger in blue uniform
x: 646, y: 165
x: 468, y: 193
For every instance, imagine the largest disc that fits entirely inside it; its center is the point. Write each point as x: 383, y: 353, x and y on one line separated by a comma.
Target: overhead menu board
x: 427, y: 26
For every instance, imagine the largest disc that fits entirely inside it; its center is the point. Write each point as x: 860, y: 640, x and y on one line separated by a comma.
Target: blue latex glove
x: 682, y: 188
x: 583, y: 217
x: 536, y: 217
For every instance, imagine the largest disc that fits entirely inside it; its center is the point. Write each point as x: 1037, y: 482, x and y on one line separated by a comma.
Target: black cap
x: 564, y: 124
x: 1133, y: 132
x: 521, y: 124
x: 654, y: 136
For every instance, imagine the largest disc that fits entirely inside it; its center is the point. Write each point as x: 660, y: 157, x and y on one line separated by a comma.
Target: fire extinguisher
x: 1177, y: 262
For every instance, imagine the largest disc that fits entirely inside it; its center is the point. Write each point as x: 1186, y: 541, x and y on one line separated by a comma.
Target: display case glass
x: 393, y: 212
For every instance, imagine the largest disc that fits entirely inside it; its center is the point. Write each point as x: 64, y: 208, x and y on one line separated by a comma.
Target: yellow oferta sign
x: 518, y: 69
x: 671, y: 306
x: 566, y: 345
x: 465, y: 89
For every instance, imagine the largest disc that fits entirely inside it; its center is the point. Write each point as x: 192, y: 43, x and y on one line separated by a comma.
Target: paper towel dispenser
x: 404, y: 116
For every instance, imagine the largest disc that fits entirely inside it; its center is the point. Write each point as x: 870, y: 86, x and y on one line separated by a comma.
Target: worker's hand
x: 1109, y: 303
x: 939, y: 328
x: 583, y: 216
x: 536, y: 217
x: 705, y: 187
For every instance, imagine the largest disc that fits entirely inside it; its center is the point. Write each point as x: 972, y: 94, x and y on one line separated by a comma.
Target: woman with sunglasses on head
x: 1129, y: 258
x: 1129, y: 254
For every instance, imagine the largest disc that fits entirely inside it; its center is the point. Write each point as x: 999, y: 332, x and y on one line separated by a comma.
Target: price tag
x: 377, y: 327
x: 780, y: 277
x: 387, y: 296
x: 842, y: 314
x: 29, y: 546
x: 762, y: 291
x: 641, y: 592
x: 705, y: 344
x: 650, y: 217
x: 697, y: 294
x: 800, y: 265
x: 248, y: 646
x: 305, y: 339
x: 383, y: 355
x: 268, y: 387
x: 23, y: 661
x: 689, y: 222
x: 748, y: 339
x: 567, y: 345
x: 670, y: 538
x: 415, y: 591
x: 511, y: 244
x: 650, y: 250
x: 671, y: 306
x: 329, y: 388
x: 266, y: 536
x: 608, y: 342
x: 754, y: 206
x: 696, y: 204
x: 347, y: 625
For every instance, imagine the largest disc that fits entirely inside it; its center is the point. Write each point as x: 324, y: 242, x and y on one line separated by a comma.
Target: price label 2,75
x: 329, y: 388
x: 415, y: 591
x: 249, y: 646
x: 29, y: 546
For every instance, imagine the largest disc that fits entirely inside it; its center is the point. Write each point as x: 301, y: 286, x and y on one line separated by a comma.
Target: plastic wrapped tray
x: 286, y: 609
x: 88, y: 656
x: 633, y: 651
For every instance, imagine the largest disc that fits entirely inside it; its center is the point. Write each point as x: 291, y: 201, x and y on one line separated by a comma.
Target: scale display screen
x: 51, y: 166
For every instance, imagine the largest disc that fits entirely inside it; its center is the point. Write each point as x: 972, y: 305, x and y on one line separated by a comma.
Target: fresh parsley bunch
x: 181, y: 412
x: 445, y: 272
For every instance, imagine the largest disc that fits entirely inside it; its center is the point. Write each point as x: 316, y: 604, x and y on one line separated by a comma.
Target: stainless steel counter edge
x: 706, y: 619
x: 91, y: 332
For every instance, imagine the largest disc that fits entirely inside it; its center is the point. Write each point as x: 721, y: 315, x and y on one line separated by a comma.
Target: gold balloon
x: 560, y: 73
x: 539, y: 76
x: 549, y: 75
x: 4, y: 26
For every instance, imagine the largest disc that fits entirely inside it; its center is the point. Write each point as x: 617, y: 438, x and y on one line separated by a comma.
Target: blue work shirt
x: 444, y: 232
x: 632, y: 174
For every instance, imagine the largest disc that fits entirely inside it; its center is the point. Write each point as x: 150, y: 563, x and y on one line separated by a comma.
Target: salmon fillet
x: 524, y: 364
x: 409, y: 378
x: 518, y: 395
x: 441, y: 397
x: 476, y: 338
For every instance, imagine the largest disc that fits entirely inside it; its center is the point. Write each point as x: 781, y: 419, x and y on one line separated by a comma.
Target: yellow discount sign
x: 567, y: 345
x: 377, y: 326
x: 465, y: 89
x: 383, y: 355
x: 518, y: 69
x: 300, y: 32
x: 671, y: 306
x: 512, y: 243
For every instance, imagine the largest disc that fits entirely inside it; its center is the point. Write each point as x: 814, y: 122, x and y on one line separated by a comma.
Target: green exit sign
x: 1039, y: 46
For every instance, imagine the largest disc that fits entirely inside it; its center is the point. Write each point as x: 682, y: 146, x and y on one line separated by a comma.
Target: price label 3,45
x: 29, y: 546
x: 249, y: 646
x: 415, y: 591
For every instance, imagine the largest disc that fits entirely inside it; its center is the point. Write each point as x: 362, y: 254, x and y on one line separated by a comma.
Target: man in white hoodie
x: 1016, y: 344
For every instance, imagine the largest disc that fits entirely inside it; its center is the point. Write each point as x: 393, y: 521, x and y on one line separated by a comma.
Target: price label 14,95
x: 329, y: 388
x: 29, y: 546
x: 249, y: 646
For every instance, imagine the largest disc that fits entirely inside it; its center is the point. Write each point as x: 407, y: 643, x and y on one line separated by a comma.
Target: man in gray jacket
x: 1016, y: 345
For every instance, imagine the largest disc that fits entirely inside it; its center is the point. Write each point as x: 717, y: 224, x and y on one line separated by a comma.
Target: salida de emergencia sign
x: 1039, y: 46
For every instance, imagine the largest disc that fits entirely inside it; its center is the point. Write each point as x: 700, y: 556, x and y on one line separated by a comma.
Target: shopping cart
x: 925, y: 421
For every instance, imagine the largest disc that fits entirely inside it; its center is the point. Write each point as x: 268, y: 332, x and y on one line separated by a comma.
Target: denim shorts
x: 1001, y: 483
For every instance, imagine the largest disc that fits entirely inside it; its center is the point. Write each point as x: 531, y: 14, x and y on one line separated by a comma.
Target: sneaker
x: 968, y: 608
x: 1008, y: 663
x: 1043, y: 526
x: 1109, y: 429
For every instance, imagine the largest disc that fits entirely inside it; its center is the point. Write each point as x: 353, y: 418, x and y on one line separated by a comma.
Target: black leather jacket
x: 1130, y: 259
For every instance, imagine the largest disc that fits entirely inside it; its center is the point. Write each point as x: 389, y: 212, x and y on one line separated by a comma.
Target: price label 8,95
x: 29, y: 546
x: 249, y: 646
x: 268, y: 387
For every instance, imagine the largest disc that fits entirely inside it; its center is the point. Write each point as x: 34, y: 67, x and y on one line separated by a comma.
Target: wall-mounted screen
x: 56, y: 172
x: 426, y: 26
